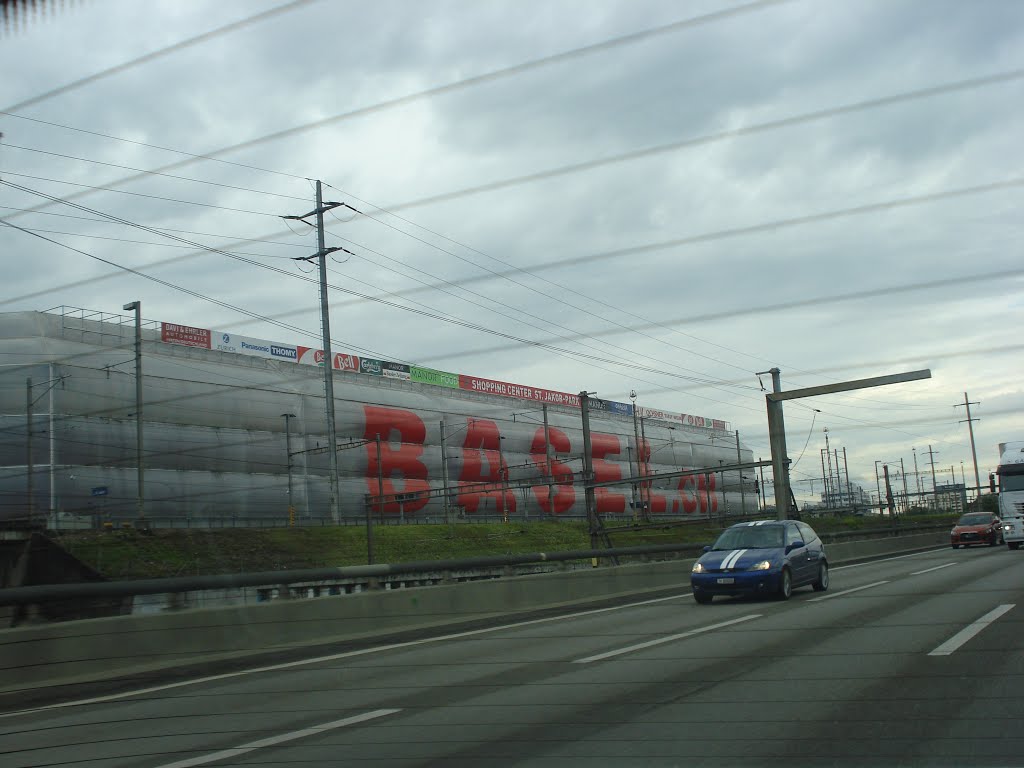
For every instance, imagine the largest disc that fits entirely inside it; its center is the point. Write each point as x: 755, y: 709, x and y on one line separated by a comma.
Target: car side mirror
x: 707, y: 548
x: 795, y: 545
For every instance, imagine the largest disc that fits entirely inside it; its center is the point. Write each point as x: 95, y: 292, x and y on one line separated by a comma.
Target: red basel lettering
x: 557, y: 498
x: 602, y: 445
x: 406, y: 429
x: 484, y: 467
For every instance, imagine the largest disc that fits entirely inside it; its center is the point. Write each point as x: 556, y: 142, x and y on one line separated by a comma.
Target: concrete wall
x: 96, y: 649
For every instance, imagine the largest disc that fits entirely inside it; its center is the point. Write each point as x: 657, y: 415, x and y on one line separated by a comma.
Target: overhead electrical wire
x: 206, y: 182
x: 465, y: 83
x: 98, y: 188
x: 870, y: 104
x: 264, y: 318
x: 518, y: 317
x: 157, y: 54
x: 560, y: 299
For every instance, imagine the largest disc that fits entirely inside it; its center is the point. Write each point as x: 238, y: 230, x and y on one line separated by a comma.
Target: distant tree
x: 990, y: 502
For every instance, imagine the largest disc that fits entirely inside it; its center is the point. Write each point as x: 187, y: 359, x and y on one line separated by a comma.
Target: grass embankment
x: 131, y: 554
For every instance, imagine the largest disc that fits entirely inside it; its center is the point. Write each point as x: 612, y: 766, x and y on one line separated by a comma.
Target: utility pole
x: 547, y: 461
x: 906, y: 493
x: 777, y: 441
x: 830, y: 485
x: 325, y: 324
x: 849, y: 488
x: 638, y: 494
x: 878, y: 487
x: 888, y: 493
x: 444, y: 475
x: 288, y: 451
x: 824, y: 480
x: 140, y: 503
x: 588, y: 470
x: 917, y: 475
x: 380, y: 506
x: 645, y: 509
x: 743, y: 493
x: 974, y: 452
x: 935, y: 487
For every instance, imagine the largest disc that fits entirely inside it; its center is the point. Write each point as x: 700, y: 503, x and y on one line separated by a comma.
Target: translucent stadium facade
x: 215, y: 439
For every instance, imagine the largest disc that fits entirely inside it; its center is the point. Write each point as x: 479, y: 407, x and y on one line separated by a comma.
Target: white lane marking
x: 271, y: 741
x: 970, y: 631
x: 929, y: 570
x: 393, y: 646
x: 333, y: 657
x: 663, y: 640
x: 846, y: 592
x: 887, y: 559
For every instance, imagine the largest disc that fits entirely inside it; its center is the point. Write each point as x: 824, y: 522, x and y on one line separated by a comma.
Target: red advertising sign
x: 521, y: 391
x: 346, y: 362
x: 186, y: 335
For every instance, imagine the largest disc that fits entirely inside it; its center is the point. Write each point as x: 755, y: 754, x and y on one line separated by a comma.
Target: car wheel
x: 702, y: 598
x: 955, y: 546
x: 785, y: 585
x: 822, y: 583
x: 1013, y: 544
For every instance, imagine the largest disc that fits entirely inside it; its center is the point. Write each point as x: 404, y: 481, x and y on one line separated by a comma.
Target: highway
x: 910, y: 661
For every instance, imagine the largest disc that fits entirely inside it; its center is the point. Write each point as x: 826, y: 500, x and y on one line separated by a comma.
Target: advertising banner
x: 246, y: 345
x: 310, y: 356
x: 506, y: 389
x: 396, y: 371
x: 437, y: 378
x: 370, y: 366
x: 346, y: 362
x: 186, y: 335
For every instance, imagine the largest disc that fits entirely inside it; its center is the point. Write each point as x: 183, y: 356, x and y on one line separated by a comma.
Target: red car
x: 977, y: 528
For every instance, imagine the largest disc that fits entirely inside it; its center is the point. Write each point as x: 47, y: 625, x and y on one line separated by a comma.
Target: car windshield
x: 750, y: 537
x: 975, y: 519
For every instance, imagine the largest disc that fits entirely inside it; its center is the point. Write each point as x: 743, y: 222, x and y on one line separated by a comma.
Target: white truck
x: 1011, y: 492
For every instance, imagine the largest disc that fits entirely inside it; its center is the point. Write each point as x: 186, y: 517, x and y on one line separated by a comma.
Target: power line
x: 772, y: 125
x: 155, y: 173
x: 163, y: 229
x: 560, y: 299
x: 714, y: 383
x: 433, y: 315
x: 463, y: 84
x: 160, y: 53
x: 96, y: 188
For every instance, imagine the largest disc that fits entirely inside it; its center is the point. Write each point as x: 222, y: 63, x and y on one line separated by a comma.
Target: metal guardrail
x: 41, y: 593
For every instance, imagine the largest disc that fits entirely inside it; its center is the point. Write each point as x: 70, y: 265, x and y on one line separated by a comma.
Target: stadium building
x: 230, y: 423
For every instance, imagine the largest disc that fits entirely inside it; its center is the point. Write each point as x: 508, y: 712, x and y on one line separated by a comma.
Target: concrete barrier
x: 140, y: 645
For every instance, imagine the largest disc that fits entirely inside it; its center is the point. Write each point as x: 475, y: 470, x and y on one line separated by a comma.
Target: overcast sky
x: 830, y: 187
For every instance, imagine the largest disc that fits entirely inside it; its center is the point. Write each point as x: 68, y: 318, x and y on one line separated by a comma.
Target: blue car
x: 765, y: 557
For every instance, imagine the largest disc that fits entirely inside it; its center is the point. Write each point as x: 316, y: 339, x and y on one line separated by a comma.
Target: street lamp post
x: 140, y: 469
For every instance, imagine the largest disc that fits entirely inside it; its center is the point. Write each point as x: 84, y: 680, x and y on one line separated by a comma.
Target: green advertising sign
x: 437, y: 378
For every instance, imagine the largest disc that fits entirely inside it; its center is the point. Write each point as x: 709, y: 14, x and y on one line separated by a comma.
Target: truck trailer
x: 1011, y: 492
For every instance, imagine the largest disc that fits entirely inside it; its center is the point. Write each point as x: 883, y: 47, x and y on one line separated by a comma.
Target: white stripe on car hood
x: 731, y: 558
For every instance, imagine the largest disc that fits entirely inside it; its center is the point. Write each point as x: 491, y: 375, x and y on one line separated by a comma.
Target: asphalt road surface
x: 909, y: 661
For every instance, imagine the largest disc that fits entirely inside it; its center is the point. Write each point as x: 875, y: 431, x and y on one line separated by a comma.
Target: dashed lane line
x: 272, y: 741
x: 929, y: 570
x: 965, y: 634
x: 846, y: 592
x: 663, y: 640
